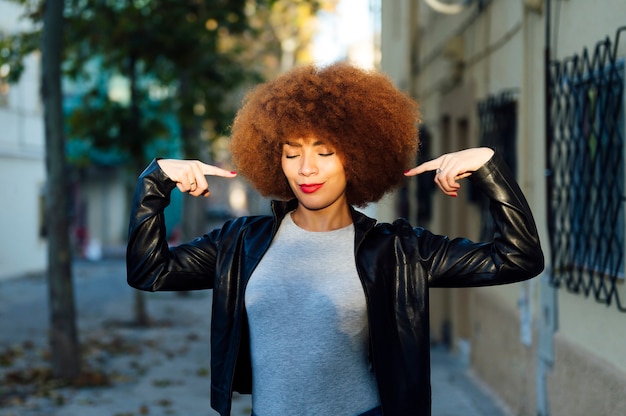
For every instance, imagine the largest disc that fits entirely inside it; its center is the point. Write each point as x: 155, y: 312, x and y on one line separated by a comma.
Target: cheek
x: 341, y: 161
x: 284, y: 165
x: 288, y: 169
x: 341, y: 170
x: 349, y: 175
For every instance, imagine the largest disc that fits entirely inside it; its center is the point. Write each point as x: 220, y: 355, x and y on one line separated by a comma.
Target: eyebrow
x: 294, y: 144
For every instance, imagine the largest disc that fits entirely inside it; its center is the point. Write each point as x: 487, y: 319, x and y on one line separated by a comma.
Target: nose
x: 308, y: 166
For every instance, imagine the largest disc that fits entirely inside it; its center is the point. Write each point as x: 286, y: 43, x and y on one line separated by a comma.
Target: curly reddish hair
x: 371, y: 124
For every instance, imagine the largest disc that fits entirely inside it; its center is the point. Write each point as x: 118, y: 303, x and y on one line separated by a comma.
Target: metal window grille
x: 586, y: 202
x: 497, y: 116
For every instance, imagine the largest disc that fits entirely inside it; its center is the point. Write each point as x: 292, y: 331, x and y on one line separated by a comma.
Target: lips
x: 310, y: 188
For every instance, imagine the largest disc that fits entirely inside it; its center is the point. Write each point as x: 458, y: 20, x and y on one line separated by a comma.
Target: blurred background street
x: 159, y: 370
x: 542, y: 81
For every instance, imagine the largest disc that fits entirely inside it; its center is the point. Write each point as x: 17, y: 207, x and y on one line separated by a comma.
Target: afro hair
x: 370, y: 123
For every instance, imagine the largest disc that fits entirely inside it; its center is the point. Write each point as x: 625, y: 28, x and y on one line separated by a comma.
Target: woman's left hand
x: 454, y: 166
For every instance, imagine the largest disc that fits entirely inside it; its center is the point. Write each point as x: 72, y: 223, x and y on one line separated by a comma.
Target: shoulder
x: 371, y: 227
x: 253, y: 223
x: 401, y: 235
x: 401, y: 227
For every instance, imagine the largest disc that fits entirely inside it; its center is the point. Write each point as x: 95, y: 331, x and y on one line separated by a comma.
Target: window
x: 497, y: 119
x: 586, y: 218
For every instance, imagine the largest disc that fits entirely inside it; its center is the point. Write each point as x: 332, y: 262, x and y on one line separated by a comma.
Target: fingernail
x: 407, y: 171
x: 232, y: 172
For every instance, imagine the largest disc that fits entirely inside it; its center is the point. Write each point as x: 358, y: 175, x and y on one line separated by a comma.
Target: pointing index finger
x: 423, y: 167
x: 217, y: 171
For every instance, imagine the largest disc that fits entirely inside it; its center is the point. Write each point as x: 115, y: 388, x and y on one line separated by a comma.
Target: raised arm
x: 513, y: 255
x: 150, y: 263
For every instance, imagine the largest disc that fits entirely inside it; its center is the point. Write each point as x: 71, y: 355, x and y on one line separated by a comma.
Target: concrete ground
x: 161, y: 370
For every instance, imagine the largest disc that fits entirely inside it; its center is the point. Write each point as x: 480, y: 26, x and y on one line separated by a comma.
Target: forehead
x: 307, y: 141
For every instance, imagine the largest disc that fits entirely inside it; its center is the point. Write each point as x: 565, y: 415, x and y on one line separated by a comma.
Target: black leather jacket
x: 397, y: 263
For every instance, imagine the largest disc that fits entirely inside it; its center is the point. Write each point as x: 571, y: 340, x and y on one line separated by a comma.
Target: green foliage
x: 14, y: 48
x: 192, y: 51
x: 104, y: 132
x: 174, y: 42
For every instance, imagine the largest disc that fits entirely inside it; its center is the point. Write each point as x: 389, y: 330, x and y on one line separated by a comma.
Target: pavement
x: 160, y: 370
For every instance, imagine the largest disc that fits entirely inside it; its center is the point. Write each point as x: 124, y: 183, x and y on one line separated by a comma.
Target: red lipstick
x: 309, y: 188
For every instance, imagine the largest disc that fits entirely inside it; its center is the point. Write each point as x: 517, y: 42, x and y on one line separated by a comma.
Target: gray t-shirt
x: 308, y: 327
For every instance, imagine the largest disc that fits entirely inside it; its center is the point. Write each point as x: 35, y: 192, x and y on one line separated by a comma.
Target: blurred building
x: 553, y: 345
x: 22, y: 164
x: 97, y: 195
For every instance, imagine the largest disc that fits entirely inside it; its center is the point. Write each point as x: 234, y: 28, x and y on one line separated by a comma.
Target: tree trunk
x: 65, y: 350
x: 193, y: 218
x: 140, y: 311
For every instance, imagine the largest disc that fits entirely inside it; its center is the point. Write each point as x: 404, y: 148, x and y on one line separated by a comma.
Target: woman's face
x: 315, y: 172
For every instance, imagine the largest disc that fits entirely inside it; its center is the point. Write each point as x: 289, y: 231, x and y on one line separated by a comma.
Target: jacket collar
x: 362, y: 223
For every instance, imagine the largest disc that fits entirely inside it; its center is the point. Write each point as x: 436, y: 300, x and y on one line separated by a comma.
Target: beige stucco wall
x: 584, y: 383
x: 498, y: 357
x: 582, y: 321
x: 503, y: 48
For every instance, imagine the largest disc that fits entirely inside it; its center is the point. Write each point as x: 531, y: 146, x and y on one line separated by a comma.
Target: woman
x: 318, y: 309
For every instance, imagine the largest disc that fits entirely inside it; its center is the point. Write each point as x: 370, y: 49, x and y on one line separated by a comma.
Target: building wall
x: 105, y: 196
x: 22, y: 247
x: 455, y: 61
x: 22, y: 165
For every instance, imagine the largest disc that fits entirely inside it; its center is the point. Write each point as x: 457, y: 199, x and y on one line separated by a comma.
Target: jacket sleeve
x: 513, y: 255
x: 151, y: 264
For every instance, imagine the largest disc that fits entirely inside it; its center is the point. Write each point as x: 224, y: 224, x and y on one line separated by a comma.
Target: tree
x: 185, y: 61
x: 198, y: 54
x: 209, y: 52
x: 63, y: 338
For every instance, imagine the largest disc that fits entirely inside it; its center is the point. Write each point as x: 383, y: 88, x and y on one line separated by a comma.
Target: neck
x: 322, y: 220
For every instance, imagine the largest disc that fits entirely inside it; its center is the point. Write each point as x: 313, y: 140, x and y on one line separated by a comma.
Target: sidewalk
x: 162, y: 370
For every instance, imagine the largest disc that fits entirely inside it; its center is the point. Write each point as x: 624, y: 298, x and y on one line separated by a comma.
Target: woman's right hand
x: 189, y: 175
